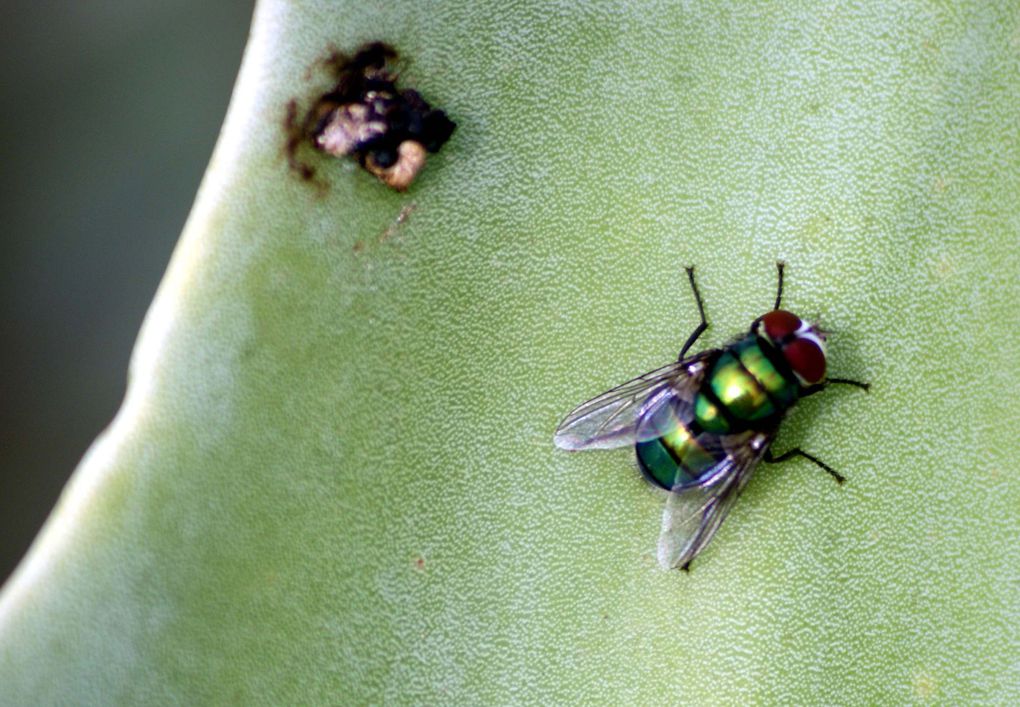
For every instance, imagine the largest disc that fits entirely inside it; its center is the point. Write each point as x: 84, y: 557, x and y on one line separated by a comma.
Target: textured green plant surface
x: 333, y: 479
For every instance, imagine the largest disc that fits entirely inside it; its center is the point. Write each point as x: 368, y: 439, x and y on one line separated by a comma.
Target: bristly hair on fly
x: 389, y: 131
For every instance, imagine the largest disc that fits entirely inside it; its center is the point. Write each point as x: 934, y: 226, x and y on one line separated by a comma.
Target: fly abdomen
x: 668, y: 452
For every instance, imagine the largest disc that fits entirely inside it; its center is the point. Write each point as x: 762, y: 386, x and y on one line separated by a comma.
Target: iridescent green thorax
x: 742, y: 390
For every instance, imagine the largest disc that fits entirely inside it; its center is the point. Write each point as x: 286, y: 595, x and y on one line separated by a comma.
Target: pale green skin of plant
x: 333, y: 478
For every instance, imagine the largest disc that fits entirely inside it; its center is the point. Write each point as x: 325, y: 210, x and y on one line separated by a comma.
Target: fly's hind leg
x: 701, y: 311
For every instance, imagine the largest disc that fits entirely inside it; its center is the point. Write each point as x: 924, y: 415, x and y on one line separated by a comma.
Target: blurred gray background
x: 109, y: 114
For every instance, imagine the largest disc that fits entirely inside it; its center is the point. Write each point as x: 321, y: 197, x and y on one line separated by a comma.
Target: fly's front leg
x: 701, y: 311
x: 798, y: 452
x: 835, y: 381
x: 847, y: 381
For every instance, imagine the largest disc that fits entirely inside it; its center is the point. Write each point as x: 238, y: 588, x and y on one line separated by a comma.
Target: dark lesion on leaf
x: 388, y: 130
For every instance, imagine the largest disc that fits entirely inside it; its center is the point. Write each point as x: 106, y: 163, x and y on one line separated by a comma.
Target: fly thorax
x: 743, y: 388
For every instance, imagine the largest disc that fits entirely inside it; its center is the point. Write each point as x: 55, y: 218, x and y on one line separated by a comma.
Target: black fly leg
x: 701, y: 311
x: 835, y: 381
x: 847, y: 381
x: 779, y: 289
x: 798, y: 452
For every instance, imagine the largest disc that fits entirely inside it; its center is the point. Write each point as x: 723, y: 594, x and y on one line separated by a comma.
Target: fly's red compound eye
x: 800, y: 344
x: 780, y: 324
x: 807, y: 359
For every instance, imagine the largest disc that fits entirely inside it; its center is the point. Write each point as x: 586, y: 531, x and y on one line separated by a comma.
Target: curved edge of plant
x: 244, y: 109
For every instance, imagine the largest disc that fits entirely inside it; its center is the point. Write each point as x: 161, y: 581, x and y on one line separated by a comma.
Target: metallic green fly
x: 700, y: 426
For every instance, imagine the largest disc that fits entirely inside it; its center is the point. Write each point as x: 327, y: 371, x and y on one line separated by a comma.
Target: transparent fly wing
x: 610, y: 420
x: 694, y: 513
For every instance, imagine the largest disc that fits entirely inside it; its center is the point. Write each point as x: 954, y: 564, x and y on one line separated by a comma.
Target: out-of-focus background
x: 108, y: 115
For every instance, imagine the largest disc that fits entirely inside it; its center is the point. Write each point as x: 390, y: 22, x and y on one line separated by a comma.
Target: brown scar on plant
x: 390, y: 231
x: 389, y: 131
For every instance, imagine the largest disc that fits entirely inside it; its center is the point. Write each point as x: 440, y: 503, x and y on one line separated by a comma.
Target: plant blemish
x: 389, y: 131
x: 390, y: 231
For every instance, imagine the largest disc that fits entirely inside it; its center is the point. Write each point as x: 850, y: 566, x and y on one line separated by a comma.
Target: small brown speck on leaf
x: 391, y: 230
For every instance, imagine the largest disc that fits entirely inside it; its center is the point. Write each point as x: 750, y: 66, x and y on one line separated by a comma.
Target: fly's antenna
x: 779, y: 291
